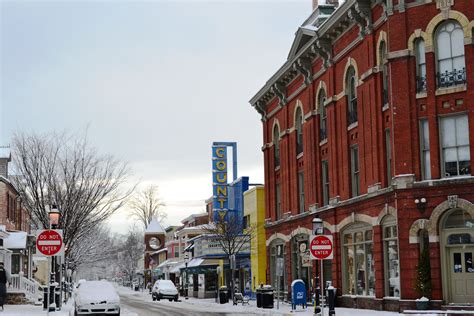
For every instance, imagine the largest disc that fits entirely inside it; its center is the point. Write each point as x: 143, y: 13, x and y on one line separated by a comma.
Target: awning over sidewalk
x: 201, y: 265
x: 15, y: 240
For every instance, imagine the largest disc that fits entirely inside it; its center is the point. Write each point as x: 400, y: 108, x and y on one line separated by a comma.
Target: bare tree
x: 231, y: 235
x: 63, y: 170
x: 146, y: 204
x: 130, y: 252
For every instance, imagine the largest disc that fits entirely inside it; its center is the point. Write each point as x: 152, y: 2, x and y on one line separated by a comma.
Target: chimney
x: 5, y: 158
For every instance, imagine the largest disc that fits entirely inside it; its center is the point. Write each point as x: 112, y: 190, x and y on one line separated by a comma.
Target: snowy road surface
x: 133, y: 304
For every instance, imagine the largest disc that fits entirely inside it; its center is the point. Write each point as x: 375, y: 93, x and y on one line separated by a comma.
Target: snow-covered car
x: 96, y: 297
x: 164, y: 289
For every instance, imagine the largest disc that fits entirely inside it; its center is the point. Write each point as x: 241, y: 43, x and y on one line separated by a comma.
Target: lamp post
x: 318, y: 229
x: 54, y: 215
x: 186, y: 259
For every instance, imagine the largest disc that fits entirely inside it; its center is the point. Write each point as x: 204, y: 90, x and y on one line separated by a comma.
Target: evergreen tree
x: 423, y: 275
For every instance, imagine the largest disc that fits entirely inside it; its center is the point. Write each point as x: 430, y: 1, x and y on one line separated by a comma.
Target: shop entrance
x: 458, y: 245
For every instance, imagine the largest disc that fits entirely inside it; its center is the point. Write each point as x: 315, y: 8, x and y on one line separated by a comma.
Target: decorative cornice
x: 303, y: 65
x: 362, y: 15
x: 280, y: 91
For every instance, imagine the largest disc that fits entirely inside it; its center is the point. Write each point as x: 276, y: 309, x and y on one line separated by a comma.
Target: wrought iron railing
x: 451, y: 78
x: 420, y: 84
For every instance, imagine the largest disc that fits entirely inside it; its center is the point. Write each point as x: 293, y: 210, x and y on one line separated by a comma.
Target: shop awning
x: 177, y: 268
x: 200, y: 265
x: 159, y: 251
x: 15, y: 240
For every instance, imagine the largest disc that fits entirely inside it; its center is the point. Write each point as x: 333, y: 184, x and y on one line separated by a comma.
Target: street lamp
x: 318, y: 229
x: 54, y: 215
x: 186, y: 259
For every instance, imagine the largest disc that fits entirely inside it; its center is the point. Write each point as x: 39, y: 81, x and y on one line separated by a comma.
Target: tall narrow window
x: 276, y: 146
x: 277, y: 201
x: 391, y: 258
x: 450, y: 54
x: 388, y: 153
x: 455, y: 146
x: 425, y: 150
x: 325, y: 180
x: 355, y: 171
x: 301, y: 191
x: 383, y: 64
x: 299, y: 131
x: 323, y: 133
x: 351, y: 96
x: 420, y: 65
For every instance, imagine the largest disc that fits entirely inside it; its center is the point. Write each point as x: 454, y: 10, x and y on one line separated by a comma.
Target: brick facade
x: 386, y: 132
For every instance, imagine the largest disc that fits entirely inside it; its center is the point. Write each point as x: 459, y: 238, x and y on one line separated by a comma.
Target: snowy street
x: 140, y: 304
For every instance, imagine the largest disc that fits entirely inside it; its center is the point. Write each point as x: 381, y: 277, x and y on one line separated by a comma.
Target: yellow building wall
x: 254, y: 205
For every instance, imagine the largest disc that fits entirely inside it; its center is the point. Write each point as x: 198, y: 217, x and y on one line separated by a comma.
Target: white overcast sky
x: 155, y: 82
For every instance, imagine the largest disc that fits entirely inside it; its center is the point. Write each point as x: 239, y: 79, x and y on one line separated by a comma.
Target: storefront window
x: 392, y: 274
x: 301, y: 263
x: 359, y: 276
x: 278, y: 250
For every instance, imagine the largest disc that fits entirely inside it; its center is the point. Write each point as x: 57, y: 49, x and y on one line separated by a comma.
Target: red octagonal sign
x: 49, y: 242
x: 321, y: 247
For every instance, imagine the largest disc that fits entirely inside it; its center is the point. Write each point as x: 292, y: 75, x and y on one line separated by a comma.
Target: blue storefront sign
x: 298, y: 293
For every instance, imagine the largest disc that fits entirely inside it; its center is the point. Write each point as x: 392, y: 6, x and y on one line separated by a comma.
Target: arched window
x: 322, y: 116
x: 278, y: 253
x: 276, y: 146
x: 351, y: 93
x: 450, y: 54
x: 383, y: 64
x: 299, y: 131
x: 358, y: 260
x: 420, y: 65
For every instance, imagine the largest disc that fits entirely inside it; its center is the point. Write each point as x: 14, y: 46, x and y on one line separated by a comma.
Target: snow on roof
x: 5, y: 152
x: 15, y: 240
x: 154, y: 227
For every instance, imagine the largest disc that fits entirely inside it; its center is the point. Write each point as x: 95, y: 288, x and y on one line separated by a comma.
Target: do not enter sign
x: 49, y: 242
x: 321, y: 247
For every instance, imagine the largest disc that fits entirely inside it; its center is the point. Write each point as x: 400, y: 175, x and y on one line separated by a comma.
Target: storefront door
x: 461, y: 274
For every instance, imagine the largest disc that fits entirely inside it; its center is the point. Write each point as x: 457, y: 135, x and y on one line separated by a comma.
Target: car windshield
x: 97, y: 286
x: 167, y: 285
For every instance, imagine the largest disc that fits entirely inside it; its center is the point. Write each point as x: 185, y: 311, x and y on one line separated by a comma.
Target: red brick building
x: 368, y: 125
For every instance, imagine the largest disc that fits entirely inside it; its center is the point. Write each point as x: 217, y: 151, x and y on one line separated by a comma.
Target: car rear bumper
x: 87, y: 309
x: 166, y: 296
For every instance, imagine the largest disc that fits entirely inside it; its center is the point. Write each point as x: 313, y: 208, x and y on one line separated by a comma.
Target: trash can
x: 267, y: 296
x: 259, y: 297
x: 223, y: 295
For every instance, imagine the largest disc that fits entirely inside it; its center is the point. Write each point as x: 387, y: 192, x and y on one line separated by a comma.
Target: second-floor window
x: 301, y: 192
x: 322, y: 116
x: 355, y: 190
x: 450, y: 54
x: 277, y: 201
x: 325, y: 181
x: 425, y: 150
x: 276, y: 146
x: 420, y: 65
x: 455, y: 146
x: 299, y: 131
x: 351, y: 96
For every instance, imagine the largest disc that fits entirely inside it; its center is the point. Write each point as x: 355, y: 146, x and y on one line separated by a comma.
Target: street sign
x: 321, y: 247
x: 50, y: 242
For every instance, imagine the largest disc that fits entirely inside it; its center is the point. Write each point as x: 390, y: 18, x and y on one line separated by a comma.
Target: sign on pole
x: 321, y: 247
x: 50, y: 242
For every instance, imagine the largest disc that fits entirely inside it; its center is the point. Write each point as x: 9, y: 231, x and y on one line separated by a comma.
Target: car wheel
x: 170, y: 299
x: 158, y: 297
x: 154, y: 298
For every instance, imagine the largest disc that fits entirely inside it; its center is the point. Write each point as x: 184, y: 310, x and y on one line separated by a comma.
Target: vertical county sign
x: 49, y: 242
x: 219, y: 178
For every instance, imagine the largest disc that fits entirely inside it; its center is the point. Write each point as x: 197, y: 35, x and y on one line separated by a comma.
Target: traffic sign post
x: 321, y: 248
x: 49, y: 243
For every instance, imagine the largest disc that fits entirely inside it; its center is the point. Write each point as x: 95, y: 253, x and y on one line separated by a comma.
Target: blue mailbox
x: 298, y: 293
